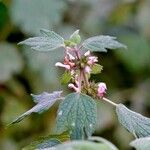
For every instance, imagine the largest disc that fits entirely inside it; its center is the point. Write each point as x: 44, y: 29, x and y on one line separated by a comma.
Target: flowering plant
x: 77, y: 112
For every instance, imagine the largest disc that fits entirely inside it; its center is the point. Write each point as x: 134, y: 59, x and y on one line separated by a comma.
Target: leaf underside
x: 44, y: 102
x: 102, y: 43
x: 141, y: 143
x: 47, y: 142
x: 83, y: 145
x: 48, y: 41
x: 77, y: 113
x: 134, y: 122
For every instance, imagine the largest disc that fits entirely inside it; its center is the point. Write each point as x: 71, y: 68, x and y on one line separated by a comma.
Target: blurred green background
x: 24, y: 71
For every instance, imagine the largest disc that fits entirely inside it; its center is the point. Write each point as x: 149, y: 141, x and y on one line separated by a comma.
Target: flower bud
x: 101, y: 89
x: 59, y: 64
x: 87, y: 53
x: 92, y: 60
x: 87, y: 69
x: 72, y: 86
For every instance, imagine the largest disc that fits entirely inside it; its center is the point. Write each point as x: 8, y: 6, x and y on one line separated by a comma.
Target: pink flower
x: 92, y: 60
x: 59, y: 64
x: 87, y: 53
x: 71, y: 57
x: 72, y: 86
x: 87, y: 69
x: 101, y: 89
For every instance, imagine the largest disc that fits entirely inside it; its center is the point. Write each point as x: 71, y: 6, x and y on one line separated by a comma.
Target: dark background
x: 23, y: 71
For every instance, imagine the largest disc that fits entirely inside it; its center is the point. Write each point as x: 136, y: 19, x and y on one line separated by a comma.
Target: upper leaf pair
x: 50, y: 40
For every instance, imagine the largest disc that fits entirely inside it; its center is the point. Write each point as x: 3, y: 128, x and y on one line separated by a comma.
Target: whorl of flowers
x: 80, y: 66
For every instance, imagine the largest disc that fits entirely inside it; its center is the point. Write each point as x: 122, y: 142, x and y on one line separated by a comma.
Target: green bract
x: 75, y: 37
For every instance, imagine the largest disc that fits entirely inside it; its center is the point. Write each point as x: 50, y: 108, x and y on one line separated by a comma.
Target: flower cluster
x: 80, y: 67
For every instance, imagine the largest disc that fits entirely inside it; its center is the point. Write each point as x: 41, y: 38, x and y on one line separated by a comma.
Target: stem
x: 109, y: 101
x: 80, y: 81
x: 85, y: 79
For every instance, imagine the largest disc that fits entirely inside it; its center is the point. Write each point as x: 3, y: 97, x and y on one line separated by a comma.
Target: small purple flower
x: 87, y: 69
x: 72, y: 86
x: 92, y: 60
x: 101, y: 89
x: 59, y: 64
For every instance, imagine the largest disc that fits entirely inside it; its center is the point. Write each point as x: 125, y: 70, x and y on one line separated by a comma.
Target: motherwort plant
x: 77, y: 112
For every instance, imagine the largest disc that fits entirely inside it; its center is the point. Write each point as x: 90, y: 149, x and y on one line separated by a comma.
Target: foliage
x: 141, y: 143
x: 79, y: 117
x: 81, y: 114
x: 24, y: 71
x: 133, y: 122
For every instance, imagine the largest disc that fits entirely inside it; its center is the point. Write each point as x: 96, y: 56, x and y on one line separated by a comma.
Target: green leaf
x: 141, y: 143
x: 66, y: 77
x: 44, y: 102
x: 134, y: 122
x: 102, y: 43
x: 77, y: 113
x: 47, y: 142
x: 96, y: 68
x: 32, y: 15
x: 48, y: 41
x: 104, y: 141
x: 82, y: 145
x: 75, y: 37
x: 10, y: 61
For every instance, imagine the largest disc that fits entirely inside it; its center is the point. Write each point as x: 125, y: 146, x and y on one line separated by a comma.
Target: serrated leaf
x: 10, y: 61
x: 66, y: 77
x: 75, y: 37
x: 96, y: 68
x: 47, y: 142
x: 77, y: 113
x: 44, y: 102
x: 134, y: 122
x: 32, y: 15
x: 48, y: 41
x: 82, y: 145
x: 102, y: 43
x: 141, y: 143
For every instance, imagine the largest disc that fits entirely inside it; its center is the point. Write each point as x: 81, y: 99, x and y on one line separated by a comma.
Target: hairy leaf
x: 96, y: 68
x: 44, y: 102
x: 75, y: 37
x: 77, y: 113
x: 83, y: 145
x: 48, y: 41
x: 133, y: 122
x: 141, y: 143
x: 47, y: 142
x: 102, y: 43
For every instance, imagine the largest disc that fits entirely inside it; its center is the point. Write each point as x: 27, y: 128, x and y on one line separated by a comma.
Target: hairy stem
x: 109, y: 101
x: 86, y: 80
x: 80, y: 80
